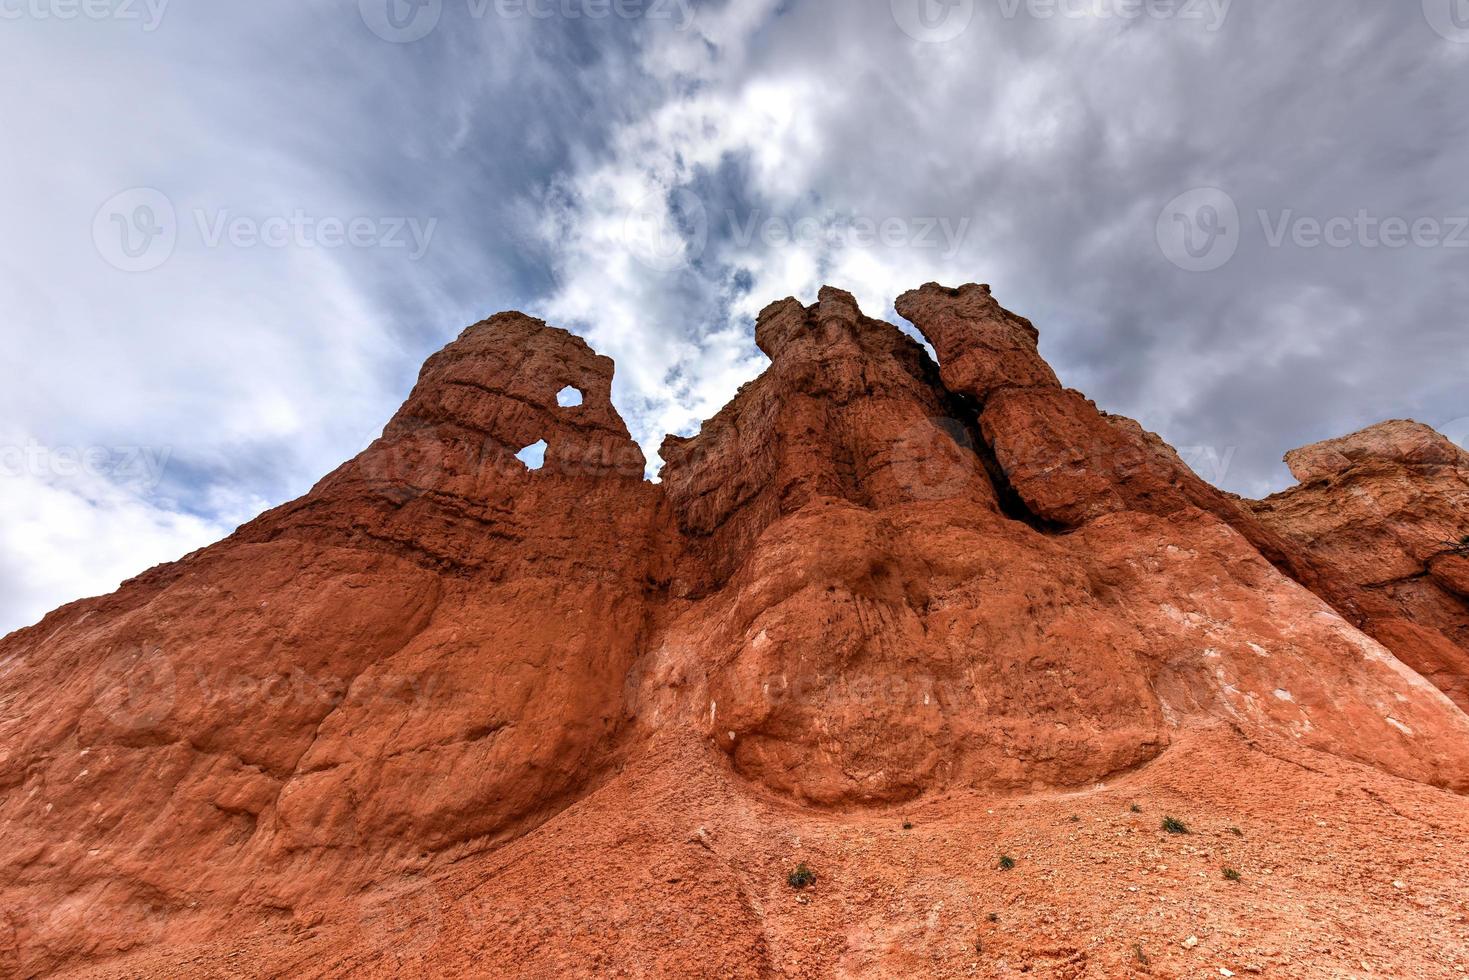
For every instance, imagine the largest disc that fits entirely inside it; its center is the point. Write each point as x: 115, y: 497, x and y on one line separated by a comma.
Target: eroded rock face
x: 1068, y: 461
x: 870, y: 578
x: 423, y: 654
x: 1387, y: 509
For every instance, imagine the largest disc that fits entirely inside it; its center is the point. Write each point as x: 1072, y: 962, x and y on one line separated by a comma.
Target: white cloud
x: 80, y: 535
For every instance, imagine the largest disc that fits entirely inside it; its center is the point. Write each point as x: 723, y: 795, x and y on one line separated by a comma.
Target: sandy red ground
x: 678, y: 868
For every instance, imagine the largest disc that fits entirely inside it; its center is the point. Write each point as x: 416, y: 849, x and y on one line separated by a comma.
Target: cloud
x: 653, y: 183
x: 260, y: 341
x: 76, y: 523
x: 1049, y: 146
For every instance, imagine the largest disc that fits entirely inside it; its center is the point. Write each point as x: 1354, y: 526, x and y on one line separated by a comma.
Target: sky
x: 233, y: 232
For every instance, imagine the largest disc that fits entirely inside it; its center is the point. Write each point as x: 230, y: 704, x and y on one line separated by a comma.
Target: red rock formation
x: 423, y: 654
x: 869, y: 581
x: 1068, y: 461
x: 1387, y: 509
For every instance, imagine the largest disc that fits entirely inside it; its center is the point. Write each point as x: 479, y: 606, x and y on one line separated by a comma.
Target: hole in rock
x: 534, y: 455
x: 569, y: 397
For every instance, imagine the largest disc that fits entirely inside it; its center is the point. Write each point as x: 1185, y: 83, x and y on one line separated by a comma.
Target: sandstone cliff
x: 1387, y: 509
x: 362, y: 731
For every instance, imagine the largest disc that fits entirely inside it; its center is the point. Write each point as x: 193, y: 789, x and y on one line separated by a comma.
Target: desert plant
x: 1006, y: 862
x: 1230, y: 874
x: 993, y: 917
x: 1459, y: 547
x: 801, y: 877
x: 907, y: 825
x: 1135, y: 808
x: 1174, y: 826
x: 1236, y: 831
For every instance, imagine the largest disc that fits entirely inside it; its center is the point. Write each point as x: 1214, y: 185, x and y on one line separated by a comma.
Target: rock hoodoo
x: 351, y: 732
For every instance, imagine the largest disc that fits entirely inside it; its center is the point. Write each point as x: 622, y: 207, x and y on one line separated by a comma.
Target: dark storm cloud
x: 1057, y: 140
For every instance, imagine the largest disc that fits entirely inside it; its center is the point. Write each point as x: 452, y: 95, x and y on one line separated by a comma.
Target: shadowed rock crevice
x: 967, y: 413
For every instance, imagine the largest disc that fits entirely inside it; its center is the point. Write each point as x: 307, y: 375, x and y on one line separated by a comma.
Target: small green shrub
x: 1006, y: 862
x: 1135, y: 808
x: 1236, y: 831
x: 993, y: 917
x: 907, y: 825
x: 1231, y: 874
x: 1174, y: 826
x: 801, y: 877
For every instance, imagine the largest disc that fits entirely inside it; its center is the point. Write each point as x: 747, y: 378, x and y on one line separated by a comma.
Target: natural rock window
x: 534, y: 455
x: 569, y: 397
